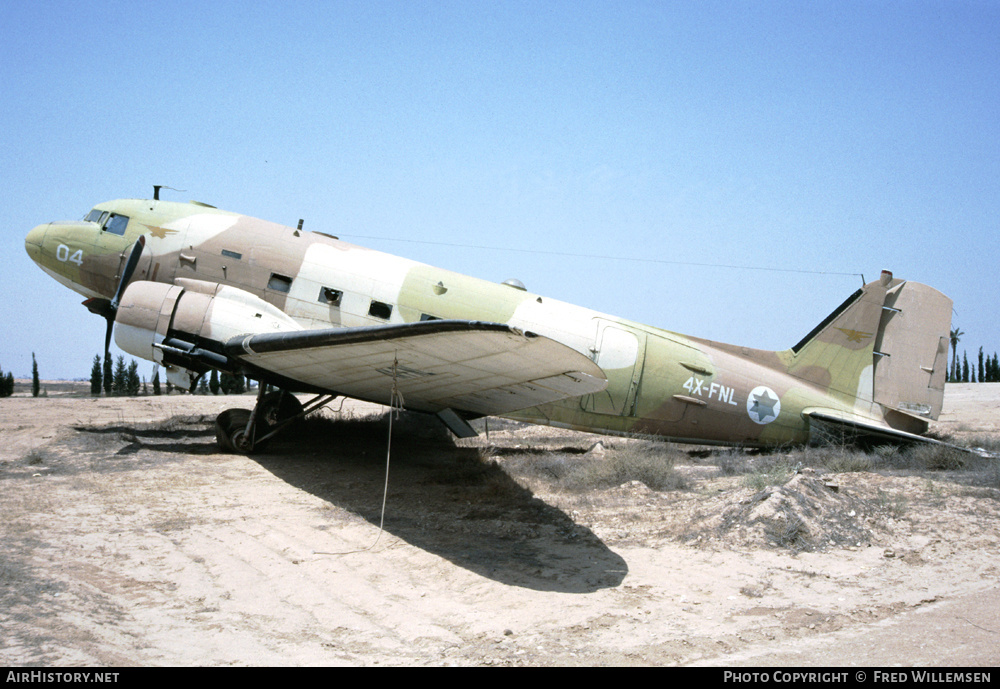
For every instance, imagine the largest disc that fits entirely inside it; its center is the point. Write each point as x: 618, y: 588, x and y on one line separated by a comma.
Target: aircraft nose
x: 34, y: 241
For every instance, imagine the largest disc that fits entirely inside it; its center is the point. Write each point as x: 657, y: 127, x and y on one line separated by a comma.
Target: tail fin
x: 886, y: 345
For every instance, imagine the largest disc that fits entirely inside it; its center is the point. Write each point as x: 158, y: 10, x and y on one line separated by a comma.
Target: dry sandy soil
x: 128, y: 538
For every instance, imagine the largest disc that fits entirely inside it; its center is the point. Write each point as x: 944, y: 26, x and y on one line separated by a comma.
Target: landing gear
x: 230, y: 430
x: 242, y: 431
x: 277, y: 407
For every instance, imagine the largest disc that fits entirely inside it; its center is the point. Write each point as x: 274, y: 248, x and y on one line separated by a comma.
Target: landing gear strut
x: 242, y: 431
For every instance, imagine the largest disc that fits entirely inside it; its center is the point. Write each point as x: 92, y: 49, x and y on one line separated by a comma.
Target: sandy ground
x: 127, y: 538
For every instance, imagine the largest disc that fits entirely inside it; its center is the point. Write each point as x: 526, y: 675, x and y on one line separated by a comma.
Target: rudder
x: 911, y: 350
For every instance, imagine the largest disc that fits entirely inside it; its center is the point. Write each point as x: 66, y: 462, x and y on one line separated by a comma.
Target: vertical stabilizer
x: 838, y: 354
x: 886, y: 345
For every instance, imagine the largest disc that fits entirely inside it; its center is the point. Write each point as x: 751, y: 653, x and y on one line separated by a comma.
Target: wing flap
x: 468, y: 366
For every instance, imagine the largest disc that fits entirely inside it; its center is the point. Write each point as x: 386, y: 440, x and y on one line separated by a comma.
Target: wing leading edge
x: 468, y: 366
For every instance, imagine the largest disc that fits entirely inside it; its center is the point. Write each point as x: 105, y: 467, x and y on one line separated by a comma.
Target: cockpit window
x: 116, y: 224
x: 109, y: 222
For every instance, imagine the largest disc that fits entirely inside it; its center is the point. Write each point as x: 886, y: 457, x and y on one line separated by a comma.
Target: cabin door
x: 620, y: 352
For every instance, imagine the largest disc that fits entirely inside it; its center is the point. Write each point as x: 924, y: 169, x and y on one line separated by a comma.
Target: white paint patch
x: 382, y: 274
x: 574, y: 326
x: 138, y: 342
x: 360, y: 274
x: 866, y: 389
x: 619, y: 349
x: 237, y: 312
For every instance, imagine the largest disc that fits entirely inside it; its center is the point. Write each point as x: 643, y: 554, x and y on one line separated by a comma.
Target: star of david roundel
x: 763, y: 405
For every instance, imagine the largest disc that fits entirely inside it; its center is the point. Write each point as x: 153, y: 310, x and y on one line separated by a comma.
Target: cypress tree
x: 36, y: 384
x: 982, y: 368
x: 95, y: 376
x: 108, y: 377
x: 119, y: 383
x: 132, y: 382
x: 156, y: 382
x: 213, y: 383
x: 6, y: 391
x: 965, y: 368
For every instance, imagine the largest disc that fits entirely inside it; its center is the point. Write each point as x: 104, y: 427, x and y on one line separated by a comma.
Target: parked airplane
x: 196, y: 288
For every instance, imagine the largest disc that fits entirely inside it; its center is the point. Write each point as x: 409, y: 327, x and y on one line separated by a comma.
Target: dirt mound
x: 805, y: 514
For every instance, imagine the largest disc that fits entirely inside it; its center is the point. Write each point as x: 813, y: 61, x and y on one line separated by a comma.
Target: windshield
x: 95, y: 215
x: 109, y: 222
x: 116, y: 224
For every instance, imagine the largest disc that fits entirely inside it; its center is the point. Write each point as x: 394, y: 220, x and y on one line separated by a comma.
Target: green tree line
x: 986, y: 369
x: 6, y: 383
x: 121, y: 380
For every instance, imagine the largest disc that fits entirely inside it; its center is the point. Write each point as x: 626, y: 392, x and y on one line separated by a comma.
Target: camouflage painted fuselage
x: 660, y: 382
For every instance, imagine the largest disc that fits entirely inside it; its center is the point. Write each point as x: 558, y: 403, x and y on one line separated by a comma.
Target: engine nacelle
x: 153, y: 315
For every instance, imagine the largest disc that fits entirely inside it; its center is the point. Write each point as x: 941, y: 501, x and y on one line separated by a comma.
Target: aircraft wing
x: 466, y: 366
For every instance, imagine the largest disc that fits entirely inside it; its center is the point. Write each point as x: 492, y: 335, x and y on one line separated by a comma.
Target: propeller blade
x: 109, y: 309
x: 130, y: 265
x: 107, y: 337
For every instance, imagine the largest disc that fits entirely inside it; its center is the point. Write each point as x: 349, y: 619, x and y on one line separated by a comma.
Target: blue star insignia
x: 763, y: 406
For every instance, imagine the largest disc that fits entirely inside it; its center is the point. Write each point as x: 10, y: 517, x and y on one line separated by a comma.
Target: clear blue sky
x: 838, y: 137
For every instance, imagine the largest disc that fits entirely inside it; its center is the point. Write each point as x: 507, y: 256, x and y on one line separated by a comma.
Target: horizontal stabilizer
x: 828, y: 422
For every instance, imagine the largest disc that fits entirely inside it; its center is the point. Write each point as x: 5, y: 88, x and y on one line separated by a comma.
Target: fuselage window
x: 116, y: 224
x: 232, y: 254
x: 328, y: 295
x: 380, y: 309
x: 94, y: 215
x: 279, y: 283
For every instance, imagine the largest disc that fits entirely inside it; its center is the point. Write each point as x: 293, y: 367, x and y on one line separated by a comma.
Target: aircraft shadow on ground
x: 445, y: 500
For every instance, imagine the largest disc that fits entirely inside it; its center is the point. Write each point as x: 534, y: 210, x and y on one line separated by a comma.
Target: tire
x: 230, y: 426
x: 276, y: 407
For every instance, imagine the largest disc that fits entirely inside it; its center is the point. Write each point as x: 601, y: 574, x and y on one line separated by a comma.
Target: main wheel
x: 230, y: 430
x: 276, y: 407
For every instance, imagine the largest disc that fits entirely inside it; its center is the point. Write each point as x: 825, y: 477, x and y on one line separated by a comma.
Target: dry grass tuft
x: 651, y: 463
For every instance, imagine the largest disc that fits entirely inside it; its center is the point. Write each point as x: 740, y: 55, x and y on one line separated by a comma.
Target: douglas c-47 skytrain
x: 196, y: 288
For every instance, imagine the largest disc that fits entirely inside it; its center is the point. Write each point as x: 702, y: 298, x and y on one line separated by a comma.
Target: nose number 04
x: 63, y: 254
